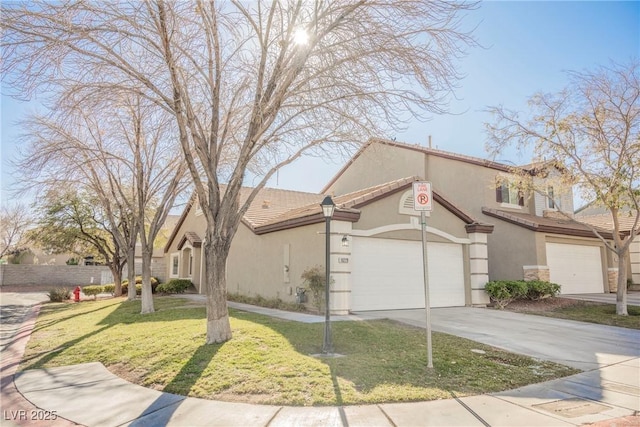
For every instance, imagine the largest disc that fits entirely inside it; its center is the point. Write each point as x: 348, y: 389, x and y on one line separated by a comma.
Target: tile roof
x: 626, y: 221
x: 192, y: 238
x: 271, y: 203
x: 553, y: 225
x: 344, y: 203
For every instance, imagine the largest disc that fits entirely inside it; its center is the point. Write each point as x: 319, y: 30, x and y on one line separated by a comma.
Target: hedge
x: 92, y: 291
x: 175, y: 286
x: 154, y: 285
x: 59, y: 294
x: 502, y: 292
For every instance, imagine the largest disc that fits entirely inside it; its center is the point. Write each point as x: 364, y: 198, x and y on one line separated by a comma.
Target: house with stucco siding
x: 483, y: 226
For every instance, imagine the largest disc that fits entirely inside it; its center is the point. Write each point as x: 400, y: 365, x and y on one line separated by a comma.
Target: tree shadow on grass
x: 191, y: 371
x: 382, y: 356
x: 42, y: 324
x: 127, y: 313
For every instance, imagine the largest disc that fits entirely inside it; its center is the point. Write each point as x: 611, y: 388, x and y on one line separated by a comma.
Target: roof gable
x: 420, y: 149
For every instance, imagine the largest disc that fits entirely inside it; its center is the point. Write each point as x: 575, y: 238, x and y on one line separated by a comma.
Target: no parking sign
x: 422, y: 197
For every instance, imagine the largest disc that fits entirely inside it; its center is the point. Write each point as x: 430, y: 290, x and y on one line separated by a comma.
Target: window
x: 550, y: 196
x: 175, y: 264
x: 190, y: 265
x: 508, y: 193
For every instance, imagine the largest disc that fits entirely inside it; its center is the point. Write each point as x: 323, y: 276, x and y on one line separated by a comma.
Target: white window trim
x: 173, y: 256
x: 510, y: 206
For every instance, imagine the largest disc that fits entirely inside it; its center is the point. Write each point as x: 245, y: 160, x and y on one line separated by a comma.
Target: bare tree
x: 592, y: 129
x: 121, y: 151
x: 14, y: 222
x: 252, y: 86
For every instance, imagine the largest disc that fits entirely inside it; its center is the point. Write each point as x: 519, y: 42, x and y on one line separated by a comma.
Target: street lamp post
x: 328, y: 207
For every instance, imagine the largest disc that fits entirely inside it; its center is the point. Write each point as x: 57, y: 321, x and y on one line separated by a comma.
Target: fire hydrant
x: 76, y: 294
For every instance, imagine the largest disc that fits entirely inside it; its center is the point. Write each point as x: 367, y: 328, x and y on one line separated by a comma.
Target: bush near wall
x: 59, y: 294
x: 261, y: 301
x: 154, y: 285
x: 92, y: 291
x: 175, y: 286
x: 503, y: 292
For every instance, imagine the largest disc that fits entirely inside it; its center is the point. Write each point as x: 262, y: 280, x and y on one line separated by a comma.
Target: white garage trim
x: 387, y: 274
x: 576, y: 268
x: 414, y: 224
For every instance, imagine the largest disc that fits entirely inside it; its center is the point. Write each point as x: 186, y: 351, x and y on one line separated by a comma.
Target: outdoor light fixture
x: 345, y: 241
x: 328, y: 207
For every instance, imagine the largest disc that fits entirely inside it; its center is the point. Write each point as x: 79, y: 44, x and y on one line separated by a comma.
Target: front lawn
x: 583, y: 311
x: 269, y: 360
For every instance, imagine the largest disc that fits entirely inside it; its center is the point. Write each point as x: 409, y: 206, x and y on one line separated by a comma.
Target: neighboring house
x: 531, y: 238
x: 482, y: 226
x: 376, y: 255
x: 158, y: 260
x: 598, y: 217
x: 37, y: 256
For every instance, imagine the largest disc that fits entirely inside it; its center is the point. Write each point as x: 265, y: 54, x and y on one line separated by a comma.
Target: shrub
x: 538, y: 289
x: 59, y: 294
x: 261, y: 301
x: 154, y: 285
x: 175, y: 286
x: 109, y: 288
x: 92, y: 291
x: 314, y: 279
x: 502, y: 292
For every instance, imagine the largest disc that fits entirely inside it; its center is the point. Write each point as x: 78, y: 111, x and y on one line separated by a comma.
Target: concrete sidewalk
x: 90, y: 395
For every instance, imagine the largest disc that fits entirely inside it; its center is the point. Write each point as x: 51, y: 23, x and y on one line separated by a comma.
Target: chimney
x: 265, y: 204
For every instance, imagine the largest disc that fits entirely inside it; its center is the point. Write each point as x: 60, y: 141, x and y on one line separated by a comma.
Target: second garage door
x: 387, y: 274
x: 576, y: 268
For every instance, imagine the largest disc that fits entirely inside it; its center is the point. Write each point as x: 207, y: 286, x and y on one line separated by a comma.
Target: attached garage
x: 577, y: 268
x: 387, y: 274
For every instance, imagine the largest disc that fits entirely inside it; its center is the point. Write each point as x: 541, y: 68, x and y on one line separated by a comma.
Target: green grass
x: 268, y: 360
x: 604, y: 314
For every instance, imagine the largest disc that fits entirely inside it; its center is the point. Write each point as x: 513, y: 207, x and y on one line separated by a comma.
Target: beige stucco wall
x: 386, y: 211
x: 510, y: 248
x: 469, y: 186
x: 194, y: 223
x: 256, y: 263
x: 378, y: 164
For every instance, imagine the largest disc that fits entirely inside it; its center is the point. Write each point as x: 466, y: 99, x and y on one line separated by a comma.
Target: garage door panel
x: 387, y: 274
x: 576, y: 268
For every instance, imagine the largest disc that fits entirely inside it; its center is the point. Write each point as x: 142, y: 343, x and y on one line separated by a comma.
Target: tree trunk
x: 147, y: 296
x: 117, y: 280
x: 218, y: 326
x: 621, y: 294
x: 131, y: 273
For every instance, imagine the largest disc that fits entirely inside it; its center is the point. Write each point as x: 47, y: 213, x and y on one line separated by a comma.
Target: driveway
x: 581, y: 345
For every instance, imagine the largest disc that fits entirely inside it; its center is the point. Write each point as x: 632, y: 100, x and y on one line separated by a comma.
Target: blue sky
x: 527, y: 47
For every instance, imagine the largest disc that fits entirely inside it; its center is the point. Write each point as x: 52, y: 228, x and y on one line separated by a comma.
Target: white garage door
x: 387, y: 274
x: 577, y: 268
